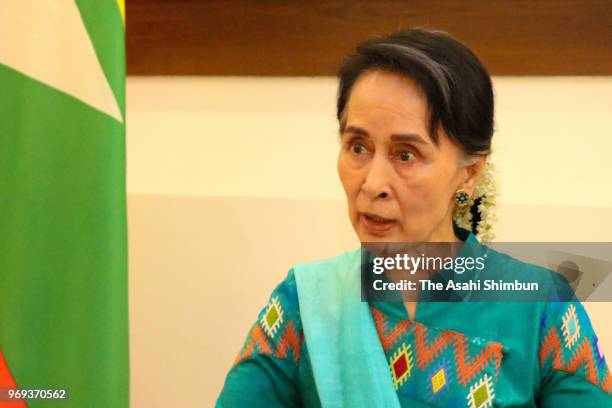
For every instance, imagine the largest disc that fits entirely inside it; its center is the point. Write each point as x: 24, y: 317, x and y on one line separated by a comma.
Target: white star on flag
x: 47, y: 41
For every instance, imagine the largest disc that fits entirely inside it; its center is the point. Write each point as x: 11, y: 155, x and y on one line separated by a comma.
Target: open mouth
x: 375, y: 223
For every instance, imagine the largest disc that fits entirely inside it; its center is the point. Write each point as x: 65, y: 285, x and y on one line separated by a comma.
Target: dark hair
x: 457, y: 87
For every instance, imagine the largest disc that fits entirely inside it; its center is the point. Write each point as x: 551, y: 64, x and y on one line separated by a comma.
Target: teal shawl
x: 348, y: 361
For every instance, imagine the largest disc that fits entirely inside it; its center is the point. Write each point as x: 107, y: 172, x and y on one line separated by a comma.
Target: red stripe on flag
x: 7, y: 381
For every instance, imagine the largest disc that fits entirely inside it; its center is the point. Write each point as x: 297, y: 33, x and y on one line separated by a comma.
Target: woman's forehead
x: 388, y: 98
x: 384, y: 104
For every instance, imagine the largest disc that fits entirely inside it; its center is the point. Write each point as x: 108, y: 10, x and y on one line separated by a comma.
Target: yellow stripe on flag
x: 121, y: 4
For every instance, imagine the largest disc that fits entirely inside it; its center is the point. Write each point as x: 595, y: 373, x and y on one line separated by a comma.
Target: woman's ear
x: 473, y: 172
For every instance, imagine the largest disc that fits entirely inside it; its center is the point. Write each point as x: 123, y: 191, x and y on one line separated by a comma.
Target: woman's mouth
x: 375, y: 224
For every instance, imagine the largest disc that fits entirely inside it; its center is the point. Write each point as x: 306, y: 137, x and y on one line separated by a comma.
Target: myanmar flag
x: 63, y: 239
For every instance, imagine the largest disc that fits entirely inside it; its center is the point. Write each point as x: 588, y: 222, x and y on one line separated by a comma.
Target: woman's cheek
x: 415, y: 199
x: 350, y: 177
x: 343, y: 174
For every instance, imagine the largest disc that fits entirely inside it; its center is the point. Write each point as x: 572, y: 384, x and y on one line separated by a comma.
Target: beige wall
x: 232, y: 180
x: 230, y: 137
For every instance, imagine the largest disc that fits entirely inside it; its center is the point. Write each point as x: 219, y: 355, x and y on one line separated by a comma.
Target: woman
x: 416, y: 120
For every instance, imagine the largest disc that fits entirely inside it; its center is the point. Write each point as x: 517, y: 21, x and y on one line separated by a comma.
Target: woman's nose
x: 377, y: 182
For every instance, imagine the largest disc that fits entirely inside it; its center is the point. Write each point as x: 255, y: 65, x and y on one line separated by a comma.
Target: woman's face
x: 400, y: 186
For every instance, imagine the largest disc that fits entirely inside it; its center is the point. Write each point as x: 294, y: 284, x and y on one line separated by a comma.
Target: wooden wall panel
x: 299, y: 37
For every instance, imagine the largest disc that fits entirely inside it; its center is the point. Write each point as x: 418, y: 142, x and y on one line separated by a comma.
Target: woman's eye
x: 406, y: 155
x: 358, y: 148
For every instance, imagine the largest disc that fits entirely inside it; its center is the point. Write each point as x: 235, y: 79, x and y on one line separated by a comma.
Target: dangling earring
x: 462, y: 198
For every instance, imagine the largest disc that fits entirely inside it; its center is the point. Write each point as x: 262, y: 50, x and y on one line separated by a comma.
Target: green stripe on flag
x: 63, y: 240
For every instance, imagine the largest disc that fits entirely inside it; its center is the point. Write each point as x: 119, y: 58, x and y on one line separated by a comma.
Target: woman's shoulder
x: 277, y: 330
x: 283, y: 303
x: 507, y: 267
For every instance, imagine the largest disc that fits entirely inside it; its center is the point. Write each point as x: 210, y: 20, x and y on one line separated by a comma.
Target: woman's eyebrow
x: 409, y: 137
x: 356, y: 130
x: 396, y: 137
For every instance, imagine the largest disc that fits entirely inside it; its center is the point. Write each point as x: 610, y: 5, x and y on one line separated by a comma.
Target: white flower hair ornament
x: 479, y: 212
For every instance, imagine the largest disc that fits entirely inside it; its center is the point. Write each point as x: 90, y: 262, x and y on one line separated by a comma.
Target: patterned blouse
x: 472, y: 355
